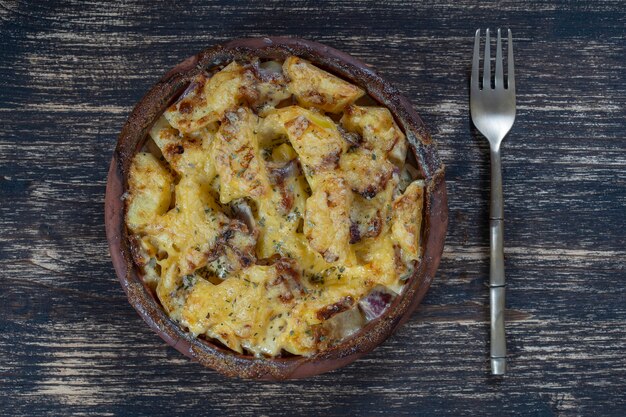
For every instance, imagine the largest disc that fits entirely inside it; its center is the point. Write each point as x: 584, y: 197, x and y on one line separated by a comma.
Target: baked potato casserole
x: 273, y: 208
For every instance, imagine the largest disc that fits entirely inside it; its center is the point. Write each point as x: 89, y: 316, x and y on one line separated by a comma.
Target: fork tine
x: 487, y: 63
x: 510, y: 65
x: 476, y: 60
x: 499, y: 71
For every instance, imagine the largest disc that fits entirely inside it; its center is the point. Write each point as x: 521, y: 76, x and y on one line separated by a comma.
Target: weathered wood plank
x: 71, y: 344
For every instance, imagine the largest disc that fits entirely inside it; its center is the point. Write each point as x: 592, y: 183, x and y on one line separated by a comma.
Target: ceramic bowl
x: 225, y: 361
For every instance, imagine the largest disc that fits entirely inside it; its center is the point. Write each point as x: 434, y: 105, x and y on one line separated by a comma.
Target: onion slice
x: 376, y: 302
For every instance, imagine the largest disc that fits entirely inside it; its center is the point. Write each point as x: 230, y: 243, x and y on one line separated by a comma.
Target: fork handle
x: 496, y: 269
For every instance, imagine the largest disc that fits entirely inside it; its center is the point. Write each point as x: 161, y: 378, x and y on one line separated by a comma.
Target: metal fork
x: 493, y: 114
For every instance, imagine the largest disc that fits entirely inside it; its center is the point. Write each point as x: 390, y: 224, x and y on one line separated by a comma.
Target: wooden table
x: 71, y: 344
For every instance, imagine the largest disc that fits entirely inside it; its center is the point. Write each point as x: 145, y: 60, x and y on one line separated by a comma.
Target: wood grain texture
x: 71, y: 344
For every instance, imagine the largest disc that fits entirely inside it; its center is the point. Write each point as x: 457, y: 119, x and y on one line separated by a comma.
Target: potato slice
x: 271, y: 88
x: 187, y: 155
x: 344, y: 324
x: 368, y: 217
x: 314, y: 137
x: 407, y: 219
x: 314, y: 87
x: 375, y: 125
x: 237, y: 159
x: 149, y: 191
x: 206, y: 100
x: 366, y: 172
x: 188, y: 232
x: 281, y: 213
x: 201, y: 314
x: 144, y: 254
x: 327, y: 221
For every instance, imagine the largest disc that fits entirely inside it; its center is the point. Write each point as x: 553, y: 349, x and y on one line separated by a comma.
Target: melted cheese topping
x: 269, y: 226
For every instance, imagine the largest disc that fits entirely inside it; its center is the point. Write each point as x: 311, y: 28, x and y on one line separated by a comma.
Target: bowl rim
x: 435, y: 212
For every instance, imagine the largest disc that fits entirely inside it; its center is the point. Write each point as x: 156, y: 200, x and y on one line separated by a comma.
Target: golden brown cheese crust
x: 270, y: 227
x: 327, y: 220
x: 366, y: 172
x: 237, y: 159
x: 317, y: 88
x: 207, y: 99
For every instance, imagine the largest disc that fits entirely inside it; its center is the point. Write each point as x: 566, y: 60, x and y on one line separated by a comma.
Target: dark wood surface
x: 71, y: 344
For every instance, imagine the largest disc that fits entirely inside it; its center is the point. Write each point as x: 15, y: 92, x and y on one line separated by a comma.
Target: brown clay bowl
x: 224, y: 360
